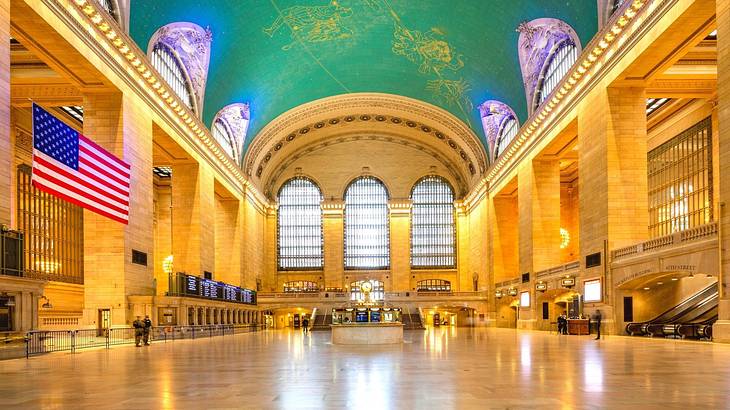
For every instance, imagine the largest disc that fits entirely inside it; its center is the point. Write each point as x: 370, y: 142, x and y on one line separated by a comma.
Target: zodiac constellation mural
x: 312, y: 24
x: 429, y: 50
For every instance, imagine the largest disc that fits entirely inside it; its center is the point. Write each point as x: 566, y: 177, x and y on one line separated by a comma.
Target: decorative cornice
x: 273, y: 179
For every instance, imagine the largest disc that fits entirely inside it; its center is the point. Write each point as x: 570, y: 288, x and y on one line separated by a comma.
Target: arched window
x: 300, y: 225
x: 560, y: 61
x: 166, y: 62
x: 223, y: 136
x: 508, y: 131
x: 367, y: 237
x: 376, y: 293
x: 433, y: 232
x: 301, y: 286
x: 433, y: 285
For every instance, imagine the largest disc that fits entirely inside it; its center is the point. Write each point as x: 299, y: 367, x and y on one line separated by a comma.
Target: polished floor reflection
x: 440, y: 368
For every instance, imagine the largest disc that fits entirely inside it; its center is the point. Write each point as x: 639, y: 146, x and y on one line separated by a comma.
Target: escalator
x: 692, y: 317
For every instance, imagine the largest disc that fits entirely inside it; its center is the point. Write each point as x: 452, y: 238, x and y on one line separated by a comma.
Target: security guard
x: 138, y: 331
x: 147, y: 329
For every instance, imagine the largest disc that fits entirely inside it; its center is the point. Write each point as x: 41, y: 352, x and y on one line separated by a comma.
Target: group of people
x: 596, y: 322
x: 142, y: 329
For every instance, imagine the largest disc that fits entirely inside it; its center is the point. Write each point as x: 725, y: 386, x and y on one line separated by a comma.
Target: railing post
x: 107, y: 335
x: 73, y: 340
x: 27, y: 345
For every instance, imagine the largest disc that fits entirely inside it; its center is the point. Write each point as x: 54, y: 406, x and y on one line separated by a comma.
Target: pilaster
x: 193, y: 218
x: 400, y: 239
x: 721, y: 328
x: 333, y: 212
x: 124, y: 129
x: 6, y: 148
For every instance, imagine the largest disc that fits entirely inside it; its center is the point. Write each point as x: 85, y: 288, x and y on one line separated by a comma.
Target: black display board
x: 209, y: 289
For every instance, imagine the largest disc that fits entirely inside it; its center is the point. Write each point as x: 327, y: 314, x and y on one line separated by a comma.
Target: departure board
x: 209, y: 289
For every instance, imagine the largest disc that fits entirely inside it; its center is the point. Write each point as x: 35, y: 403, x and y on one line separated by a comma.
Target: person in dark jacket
x: 597, y: 319
x: 138, y: 326
x: 147, y: 329
x: 562, y: 324
x: 305, y: 324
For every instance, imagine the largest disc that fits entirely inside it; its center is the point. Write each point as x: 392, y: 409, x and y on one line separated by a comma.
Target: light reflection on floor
x: 439, y: 368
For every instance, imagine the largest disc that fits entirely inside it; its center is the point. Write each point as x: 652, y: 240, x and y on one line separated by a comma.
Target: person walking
x: 597, y: 318
x: 138, y: 326
x: 305, y: 324
x: 147, y: 329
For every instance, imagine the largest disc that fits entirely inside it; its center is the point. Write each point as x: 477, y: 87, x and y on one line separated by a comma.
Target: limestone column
x: 721, y: 328
x: 538, y: 199
x: 193, y: 219
x: 255, y: 238
x: 400, y: 244
x: 539, y: 216
x: 6, y: 148
x: 124, y: 128
x: 334, y: 242
x: 612, y: 150
x: 229, y: 241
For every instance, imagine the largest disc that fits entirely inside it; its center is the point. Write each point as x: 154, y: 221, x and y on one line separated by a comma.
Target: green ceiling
x: 451, y: 53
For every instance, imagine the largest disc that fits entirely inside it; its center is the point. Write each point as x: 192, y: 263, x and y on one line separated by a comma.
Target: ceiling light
x: 675, y: 278
x: 647, y: 288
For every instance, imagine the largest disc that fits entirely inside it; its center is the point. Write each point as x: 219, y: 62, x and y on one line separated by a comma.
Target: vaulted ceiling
x: 279, y: 54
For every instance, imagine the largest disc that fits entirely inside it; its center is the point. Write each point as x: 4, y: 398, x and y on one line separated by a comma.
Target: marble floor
x: 443, y: 368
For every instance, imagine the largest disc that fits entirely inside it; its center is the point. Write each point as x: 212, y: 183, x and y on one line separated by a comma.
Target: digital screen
x: 361, y: 316
x: 210, y: 289
x: 192, y: 286
x: 592, y: 291
x: 525, y: 299
x: 375, y: 316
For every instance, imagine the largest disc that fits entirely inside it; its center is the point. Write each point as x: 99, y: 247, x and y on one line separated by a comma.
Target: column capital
x: 400, y: 206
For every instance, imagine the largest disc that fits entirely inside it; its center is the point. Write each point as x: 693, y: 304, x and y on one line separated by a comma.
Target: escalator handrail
x: 692, y: 301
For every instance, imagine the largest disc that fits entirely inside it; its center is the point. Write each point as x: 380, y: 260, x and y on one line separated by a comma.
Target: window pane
x: 167, y: 64
x: 300, y: 225
x: 367, y: 237
x: 560, y: 62
x: 433, y: 236
x: 680, y: 181
x: 506, y: 135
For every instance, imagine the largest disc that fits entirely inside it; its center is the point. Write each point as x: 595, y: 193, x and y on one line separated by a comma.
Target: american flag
x: 72, y: 167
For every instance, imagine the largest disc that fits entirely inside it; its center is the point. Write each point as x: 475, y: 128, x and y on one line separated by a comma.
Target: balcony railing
x: 690, y: 235
x: 558, y: 270
x: 511, y: 282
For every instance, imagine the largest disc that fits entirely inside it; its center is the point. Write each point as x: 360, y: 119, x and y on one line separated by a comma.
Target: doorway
x: 6, y: 314
x: 104, y: 322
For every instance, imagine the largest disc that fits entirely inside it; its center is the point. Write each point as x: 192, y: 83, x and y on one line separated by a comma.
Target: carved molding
x: 538, y: 40
x: 273, y: 181
x: 434, y: 122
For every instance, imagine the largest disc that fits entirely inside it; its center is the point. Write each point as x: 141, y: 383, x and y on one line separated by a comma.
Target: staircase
x: 322, y: 321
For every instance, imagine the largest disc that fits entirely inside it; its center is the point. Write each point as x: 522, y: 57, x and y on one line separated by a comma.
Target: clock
x: 366, y: 287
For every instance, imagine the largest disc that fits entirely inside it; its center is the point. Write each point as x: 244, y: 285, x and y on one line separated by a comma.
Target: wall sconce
x: 498, y: 294
x: 512, y: 292
x: 568, y: 282
x: 167, y: 265
x: 541, y: 287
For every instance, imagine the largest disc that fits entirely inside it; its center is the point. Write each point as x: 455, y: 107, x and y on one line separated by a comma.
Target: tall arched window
x: 433, y: 231
x: 367, y: 237
x: 300, y: 225
x: 560, y: 61
x: 509, y: 129
x: 166, y: 62
x: 223, y: 136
